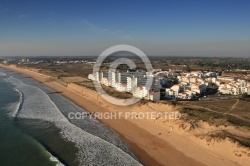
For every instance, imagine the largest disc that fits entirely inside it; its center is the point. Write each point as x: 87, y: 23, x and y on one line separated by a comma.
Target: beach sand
x: 154, y: 141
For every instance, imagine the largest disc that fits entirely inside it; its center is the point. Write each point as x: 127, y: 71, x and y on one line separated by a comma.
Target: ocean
x: 35, y: 129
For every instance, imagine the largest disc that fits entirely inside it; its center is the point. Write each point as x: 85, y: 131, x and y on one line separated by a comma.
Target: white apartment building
x: 97, y: 77
x: 91, y: 77
x: 131, y: 83
x: 105, y: 81
x: 140, y: 92
x: 121, y: 87
x: 124, y: 75
x: 153, y: 96
x: 169, y: 93
x: 235, y: 87
x: 177, y: 88
x: 112, y: 78
x: 118, y: 77
x: 185, y: 95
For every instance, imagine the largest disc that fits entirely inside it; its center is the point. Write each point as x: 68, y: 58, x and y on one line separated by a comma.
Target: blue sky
x: 160, y: 27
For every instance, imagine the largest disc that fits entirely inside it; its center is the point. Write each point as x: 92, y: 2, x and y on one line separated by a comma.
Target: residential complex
x: 134, y: 82
x: 188, y: 85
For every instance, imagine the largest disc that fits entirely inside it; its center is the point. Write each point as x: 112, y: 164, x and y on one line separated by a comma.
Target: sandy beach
x: 154, y: 141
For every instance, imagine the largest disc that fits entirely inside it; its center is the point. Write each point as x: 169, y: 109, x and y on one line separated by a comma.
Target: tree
x: 244, y: 95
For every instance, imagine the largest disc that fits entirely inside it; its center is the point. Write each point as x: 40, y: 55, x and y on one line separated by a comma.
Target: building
x: 131, y: 83
x: 153, y: 96
x: 234, y: 87
x: 140, y: 91
x: 225, y: 78
x: 121, y: 87
x: 169, y: 93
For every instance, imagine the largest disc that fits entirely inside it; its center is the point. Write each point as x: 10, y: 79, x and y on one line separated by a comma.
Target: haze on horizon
x: 161, y: 27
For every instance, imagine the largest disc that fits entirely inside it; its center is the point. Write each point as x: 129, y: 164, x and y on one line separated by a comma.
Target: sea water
x: 16, y: 147
x: 35, y: 129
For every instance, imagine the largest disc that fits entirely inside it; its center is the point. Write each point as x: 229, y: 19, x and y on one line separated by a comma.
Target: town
x: 189, y: 85
x: 173, y: 78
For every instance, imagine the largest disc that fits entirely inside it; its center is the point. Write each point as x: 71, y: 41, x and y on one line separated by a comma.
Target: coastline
x: 154, y: 143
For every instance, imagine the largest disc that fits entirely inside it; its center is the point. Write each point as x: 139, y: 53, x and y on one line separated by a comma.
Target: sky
x: 158, y: 27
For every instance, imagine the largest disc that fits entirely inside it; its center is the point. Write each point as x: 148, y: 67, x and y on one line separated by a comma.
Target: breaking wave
x: 18, y: 104
x: 13, y: 107
x: 92, y: 150
x: 54, y: 159
x: 2, y: 74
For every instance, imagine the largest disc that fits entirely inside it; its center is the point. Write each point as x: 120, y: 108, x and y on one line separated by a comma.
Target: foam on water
x: 87, y: 124
x: 18, y: 104
x: 54, y: 159
x: 35, y: 103
x: 2, y: 74
x: 13, y: 108
x: 92, y: 150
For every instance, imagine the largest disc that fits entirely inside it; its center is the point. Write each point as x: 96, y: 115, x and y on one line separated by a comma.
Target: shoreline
x: 152, y: 143
x: 132, y: 146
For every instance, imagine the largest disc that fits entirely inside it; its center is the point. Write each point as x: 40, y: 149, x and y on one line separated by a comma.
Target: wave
x: 15, y: 106
x: 89, y: 124
x: 12, y: 108
x: 2, y: 74
x: 18, y: 104
x: 54, y: 159
x: 92, y: 150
